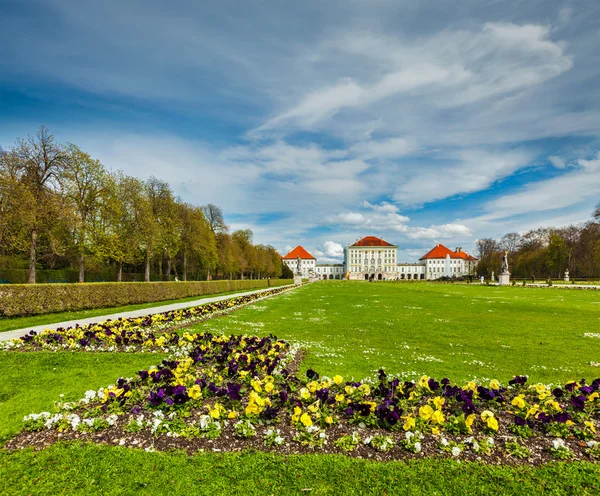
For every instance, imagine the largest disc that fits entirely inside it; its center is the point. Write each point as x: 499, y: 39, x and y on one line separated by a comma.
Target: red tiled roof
x: 298, y: 252
x: 440, y: 251
x: 371, y: 241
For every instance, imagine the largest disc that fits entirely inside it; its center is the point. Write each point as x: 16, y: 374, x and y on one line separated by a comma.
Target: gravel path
x: 7, y: 335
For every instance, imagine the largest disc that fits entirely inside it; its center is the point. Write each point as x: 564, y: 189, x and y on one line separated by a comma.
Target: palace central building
x: 372, y: 257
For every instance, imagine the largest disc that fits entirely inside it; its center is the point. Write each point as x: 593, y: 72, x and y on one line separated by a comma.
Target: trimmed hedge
x: 32, y: 299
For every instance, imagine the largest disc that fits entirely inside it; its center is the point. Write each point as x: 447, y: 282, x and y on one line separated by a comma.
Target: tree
x: 156, y: 221
x: 557, y: 254
x: 39, y: 162
x: 486, y: 247
x: 16, y: 207
x: 225, y: 252
x: 214, y: 216
x: 126, y: 212
x: 84, y: 184
x: 197, y: 240
x: 596, y: 213
x: 510, y: 242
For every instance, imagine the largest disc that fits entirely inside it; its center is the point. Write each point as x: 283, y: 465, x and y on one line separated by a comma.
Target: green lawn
x: 73, y: 469
x: 11, y: 323
x: 348, y: 328
x: 455, y: 331
x: 32, y: 382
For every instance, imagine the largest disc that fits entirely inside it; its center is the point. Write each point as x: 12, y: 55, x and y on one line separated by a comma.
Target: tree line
x: 62, y: 208
x: 546, y: 252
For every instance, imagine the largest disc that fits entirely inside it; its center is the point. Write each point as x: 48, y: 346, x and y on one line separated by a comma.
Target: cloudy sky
x: 316, y: 123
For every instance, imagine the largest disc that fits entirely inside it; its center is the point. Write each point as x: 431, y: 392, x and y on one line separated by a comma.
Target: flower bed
x: 228, y: 393
x: 133, y: 334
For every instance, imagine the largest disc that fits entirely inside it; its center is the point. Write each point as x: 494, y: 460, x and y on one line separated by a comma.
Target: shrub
x: 25, y: 299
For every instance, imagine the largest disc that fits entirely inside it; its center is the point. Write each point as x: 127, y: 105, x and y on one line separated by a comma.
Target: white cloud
x: 382, y: 217
x: 468, y: 171
x: 387, y: 148
x: 445, y: 231
x: 568, y: 189
x: 333, y: 249
x: 448, y: 69
x: 557, y: 162
x: 383, y: 207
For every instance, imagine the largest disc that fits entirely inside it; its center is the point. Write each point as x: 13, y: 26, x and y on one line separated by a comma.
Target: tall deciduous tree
x: 84, y: 181
x: 214, y: 216
x: 39, y: 162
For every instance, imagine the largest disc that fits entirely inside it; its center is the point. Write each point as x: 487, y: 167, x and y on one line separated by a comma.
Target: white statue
x: 504, y: 263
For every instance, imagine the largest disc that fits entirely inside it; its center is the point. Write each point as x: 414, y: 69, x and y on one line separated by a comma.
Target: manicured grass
x: 11, y: 323
x: 442, y: 330
x: 348, y: 328
x: 32, y: 382
x: 72, y: 469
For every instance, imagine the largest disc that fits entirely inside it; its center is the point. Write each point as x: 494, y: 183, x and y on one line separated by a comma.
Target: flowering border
x: 227, y: 393
x: 136, y: 334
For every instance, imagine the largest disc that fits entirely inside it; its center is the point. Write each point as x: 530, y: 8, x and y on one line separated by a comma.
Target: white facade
x: 330, y: 271
x: 307, y: 266
x: 374, y: 258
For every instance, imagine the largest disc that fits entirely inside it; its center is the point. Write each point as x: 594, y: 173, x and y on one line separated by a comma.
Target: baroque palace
x: 372, y: 257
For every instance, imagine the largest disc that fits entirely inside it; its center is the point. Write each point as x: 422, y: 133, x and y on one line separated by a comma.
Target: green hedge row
x: 32, y: 299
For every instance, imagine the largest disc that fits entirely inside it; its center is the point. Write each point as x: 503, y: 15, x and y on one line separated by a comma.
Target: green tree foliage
x: 61, y: 209
x: 545, y: 252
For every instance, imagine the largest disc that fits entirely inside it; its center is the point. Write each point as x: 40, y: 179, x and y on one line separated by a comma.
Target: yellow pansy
x: 329, y: 419
x: 593, y: 396
x: 590, y: 426
x: 232, y: 414
x: 492, y: 423
x: 486, y: 414
x: 470, y: 419
x: 314, y: 407
x: 215, y: 412
x: 306, y: 420
x: 297, y: 412
x: 195, y: 392
x: 532, y: 411
x: 338, y: 379
x: 409, y: 423
x: 472, y: 385
x: 424, y: 382
x: 437, y: 417
x: 256, y: 385
x: 543, y: 395
x: 304, y: 394
x: 553, y: 404
x: 312, y: 386
x: 438, y: 401
x: 349, y: 389
x: 339, y: 398
x: 425, y: 412
x: 269, y: 387
x: 252, y: 409
x: 494, y: 384
x: 518, y: 401
x: 365, y: 389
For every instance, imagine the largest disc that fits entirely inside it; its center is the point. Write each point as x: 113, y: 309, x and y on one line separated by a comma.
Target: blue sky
x: 316, y: 123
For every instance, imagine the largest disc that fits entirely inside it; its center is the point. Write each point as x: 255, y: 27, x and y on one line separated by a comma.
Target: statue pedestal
x: 297, y: 279
x: 504, y: 279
